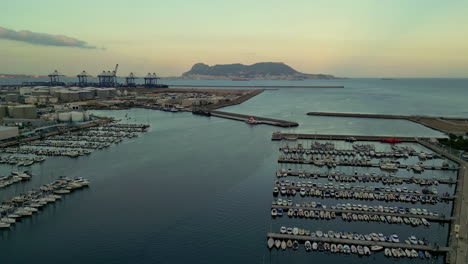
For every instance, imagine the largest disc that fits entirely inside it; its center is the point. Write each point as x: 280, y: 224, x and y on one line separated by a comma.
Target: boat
x: 289, y: 243
x: 251, y: 121
x: 376, y: 248
x: 283, y: 245
x: 307, y: 245
x: 295, y: 245
x: 283, y: 230
x: 392, y: 140
x: 388, y: 252
x: 395, y: 238
x: 271, y: 243
x: 277, y: 243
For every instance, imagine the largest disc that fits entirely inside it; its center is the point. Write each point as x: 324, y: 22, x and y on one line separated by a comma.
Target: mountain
x: 261, y: 70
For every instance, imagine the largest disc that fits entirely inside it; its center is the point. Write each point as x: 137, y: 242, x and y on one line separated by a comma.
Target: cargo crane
x: 55, y: 78
x: 151, y: 80
x: 130, y: 80
x: 83, y: 79
x: 108, y: 79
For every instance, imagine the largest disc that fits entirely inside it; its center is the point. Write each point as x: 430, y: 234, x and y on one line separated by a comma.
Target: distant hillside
x: 262, y: 70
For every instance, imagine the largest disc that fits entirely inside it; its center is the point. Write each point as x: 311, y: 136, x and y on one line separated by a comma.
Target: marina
x: 357, y: 242
x: 27, y: 204
x: 304, y: 191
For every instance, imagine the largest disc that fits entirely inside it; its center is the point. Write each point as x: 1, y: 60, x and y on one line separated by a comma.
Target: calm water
x: 198, y: 189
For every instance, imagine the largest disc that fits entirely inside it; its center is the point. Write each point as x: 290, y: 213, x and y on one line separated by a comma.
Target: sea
x: 196, y: 189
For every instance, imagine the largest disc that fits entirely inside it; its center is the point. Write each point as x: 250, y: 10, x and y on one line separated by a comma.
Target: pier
x: 361, y: 164
x: 244, y: 118
x: 431, y: 218
x: 378, y: 177
x: 302, y: 239
x: 258, y: 86
x: 291, y: 136
x: 458, y: 234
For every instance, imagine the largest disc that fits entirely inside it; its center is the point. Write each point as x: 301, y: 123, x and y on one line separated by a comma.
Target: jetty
x: 244, y: 118
x: 361, y: 164
x: 294, y: 136
x: 455, y: 125
x: 458, y: 233
x: 257, y: 86
x: 370, y: 177
x: 431, y: 218
x: 303, y: 238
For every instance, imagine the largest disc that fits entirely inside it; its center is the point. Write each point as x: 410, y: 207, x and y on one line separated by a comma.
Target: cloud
x: 43, y: 39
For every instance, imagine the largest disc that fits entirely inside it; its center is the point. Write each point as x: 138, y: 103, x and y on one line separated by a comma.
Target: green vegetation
x: 456, y: 142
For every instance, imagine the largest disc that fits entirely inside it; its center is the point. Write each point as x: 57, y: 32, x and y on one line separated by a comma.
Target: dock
x: 359, y: 164
x: 458, y: 234
x: 380, y: 177
x: 430, y: 218
x: 243, y: 118
x: 356, y: 190
x: 455, y: 125
x: 302, y: 239
x: 291, y: 136
x: 257, y: 86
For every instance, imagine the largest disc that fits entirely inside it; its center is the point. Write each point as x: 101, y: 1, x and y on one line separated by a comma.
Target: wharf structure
x: 243, y: 118
x: 447, y: 125
x: 257, y: 86
x: 302, y: 238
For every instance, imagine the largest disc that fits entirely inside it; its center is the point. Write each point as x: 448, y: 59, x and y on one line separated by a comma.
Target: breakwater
x: 260, y: 86
x: 244, y: 118
x: 291, y: 136
x: 446, y: 125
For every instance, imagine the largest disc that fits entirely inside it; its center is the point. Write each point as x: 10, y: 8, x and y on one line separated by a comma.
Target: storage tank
x: 64, y: 95
x: 74, y: 96
x: 40, y: 92
x: 12, y: 97
x: 77, y: 116
x: 25, y: 90
x: 64, y: 117
x: 3, y: 111
x: 23, y: 111
x: 102, y: 93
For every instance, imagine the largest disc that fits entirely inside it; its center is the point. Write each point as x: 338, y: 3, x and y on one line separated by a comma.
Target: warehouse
x: 8, y: 132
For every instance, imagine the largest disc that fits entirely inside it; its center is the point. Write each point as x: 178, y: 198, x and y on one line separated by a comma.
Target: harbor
x: 389, y: 184
x: 27, y: 204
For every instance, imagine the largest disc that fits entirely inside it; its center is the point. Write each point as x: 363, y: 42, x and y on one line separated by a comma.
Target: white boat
x: 283, y: 230
x: 274, y: 212
x: 295, y: 230
x: 376, y: 248
x: 307, y: 245
x: 4, y: 225
x: 277, y: 243
x: 283, y: 245
x: 271, y: 242
x: 395, y: 238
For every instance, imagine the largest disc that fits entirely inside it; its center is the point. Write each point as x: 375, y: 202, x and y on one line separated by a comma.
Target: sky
x: 348, y: 38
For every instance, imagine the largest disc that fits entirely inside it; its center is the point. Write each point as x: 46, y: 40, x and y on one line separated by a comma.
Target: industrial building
x: 8, y: 132
x: 22, y: 111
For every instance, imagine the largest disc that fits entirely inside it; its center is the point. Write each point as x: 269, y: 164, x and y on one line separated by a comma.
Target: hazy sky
x: 353, y: 38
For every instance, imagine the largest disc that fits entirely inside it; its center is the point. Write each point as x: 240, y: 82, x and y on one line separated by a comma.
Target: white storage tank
x: 64, y: 117
x: 77, y: 116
